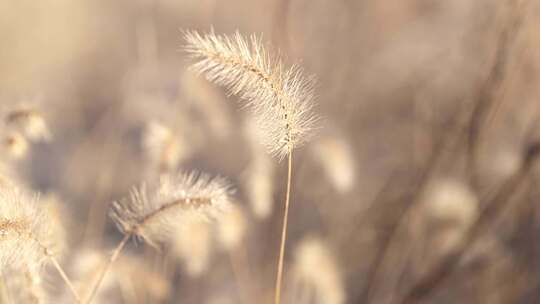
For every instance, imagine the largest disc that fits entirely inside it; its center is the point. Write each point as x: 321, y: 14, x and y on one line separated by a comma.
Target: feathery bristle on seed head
x: 154, y: 210
x: 25, y: 237
x: 281, y: 99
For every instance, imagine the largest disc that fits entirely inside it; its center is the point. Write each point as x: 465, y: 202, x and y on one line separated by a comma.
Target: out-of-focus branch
x: 444, y: 146
x: 468, y: 135
x: 491, y: 212
x: 487, y: 96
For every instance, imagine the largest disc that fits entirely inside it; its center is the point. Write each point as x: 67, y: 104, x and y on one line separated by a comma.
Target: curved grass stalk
x: 277, y: 296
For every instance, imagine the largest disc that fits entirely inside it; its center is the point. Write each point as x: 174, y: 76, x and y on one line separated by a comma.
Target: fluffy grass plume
x: 152, y: 212
x: 280, y: 98
x: 163, y: 147
x: 28, y: 235
x: 25, y: 235
x: 336, y: 157
x: 15, y: 145
x: 30, y: 122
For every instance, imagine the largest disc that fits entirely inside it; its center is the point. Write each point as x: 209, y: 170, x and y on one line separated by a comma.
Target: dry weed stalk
x: 280, y: 99
x: 153, y: 212
x: 133, y: 283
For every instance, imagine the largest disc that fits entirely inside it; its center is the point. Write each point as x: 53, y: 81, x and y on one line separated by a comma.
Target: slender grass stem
x: 277, y: 298
x: 65, y: 278
x: 114, y: 257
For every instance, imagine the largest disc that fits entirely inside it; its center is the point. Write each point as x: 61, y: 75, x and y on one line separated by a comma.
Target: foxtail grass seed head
x: 162, y: 146
x: 451, y: 208
x: 31, y: 123
x: 25, y: 235
x: 154, y: 211
x: 337, y: 159
x: 280, y: 99
x: 316, y: 267
x: 504, y: 163
x: 16, y: 145
x: 451, y: 200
